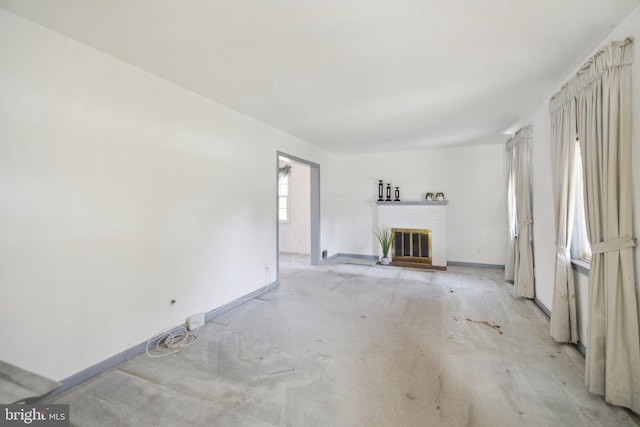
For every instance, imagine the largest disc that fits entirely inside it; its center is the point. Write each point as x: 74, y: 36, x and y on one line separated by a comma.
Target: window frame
x: 287, y: 208
x: 580, y: 245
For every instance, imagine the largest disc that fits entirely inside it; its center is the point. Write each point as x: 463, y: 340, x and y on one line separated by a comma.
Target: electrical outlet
x: 195, y: 321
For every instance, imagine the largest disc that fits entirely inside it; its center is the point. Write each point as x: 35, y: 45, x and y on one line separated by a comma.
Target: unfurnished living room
x: 296, y: 213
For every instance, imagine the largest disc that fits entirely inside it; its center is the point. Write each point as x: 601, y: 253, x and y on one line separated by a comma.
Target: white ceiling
x: 352, y: 76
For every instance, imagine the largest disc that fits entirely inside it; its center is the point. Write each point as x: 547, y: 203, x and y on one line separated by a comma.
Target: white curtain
x: 521, y: 172
x: 564, y: 324
x: 602, y: 90
x: 604, y: 126
x: 509, y: 263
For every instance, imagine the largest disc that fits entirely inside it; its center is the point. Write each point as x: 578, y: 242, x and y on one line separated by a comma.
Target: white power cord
x: 170, y: 341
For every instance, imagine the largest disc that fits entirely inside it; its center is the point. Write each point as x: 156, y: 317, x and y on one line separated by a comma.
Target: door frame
x: 314, y: 178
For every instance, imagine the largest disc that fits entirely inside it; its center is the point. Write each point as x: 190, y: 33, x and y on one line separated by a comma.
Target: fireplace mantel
x: 419, y: 215
x: 413, y: 203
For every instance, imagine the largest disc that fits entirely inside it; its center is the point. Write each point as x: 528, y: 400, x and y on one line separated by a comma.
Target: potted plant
x: 385, y: 237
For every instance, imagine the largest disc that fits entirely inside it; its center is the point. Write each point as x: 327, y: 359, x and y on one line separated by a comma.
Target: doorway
x: 298, y: 204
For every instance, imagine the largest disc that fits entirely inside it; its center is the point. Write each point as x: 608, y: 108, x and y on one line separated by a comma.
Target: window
x: 580, y: 246
x: 283, y: 198
x: 512, y: 219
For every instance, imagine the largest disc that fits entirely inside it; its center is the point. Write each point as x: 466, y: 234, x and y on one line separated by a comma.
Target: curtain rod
x: 615, y: 54
x: 521, y: 134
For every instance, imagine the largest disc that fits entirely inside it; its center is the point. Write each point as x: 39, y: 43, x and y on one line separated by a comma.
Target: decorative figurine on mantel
x: 380, y: 191
x: 388, y: 193
x: 397, y: 199
x: 439, y: 197
x: 429, y: 197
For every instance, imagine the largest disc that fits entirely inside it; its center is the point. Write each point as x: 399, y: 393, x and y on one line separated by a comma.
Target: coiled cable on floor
x: 170, y: 341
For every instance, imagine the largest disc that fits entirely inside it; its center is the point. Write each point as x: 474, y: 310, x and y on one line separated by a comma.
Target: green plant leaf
x: 385, y: 237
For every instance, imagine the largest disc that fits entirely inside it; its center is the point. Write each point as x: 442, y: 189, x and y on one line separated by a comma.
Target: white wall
x: 472, y: 179
x: 544, y: 233
x: 120, y: 191
x: 295, y: 235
